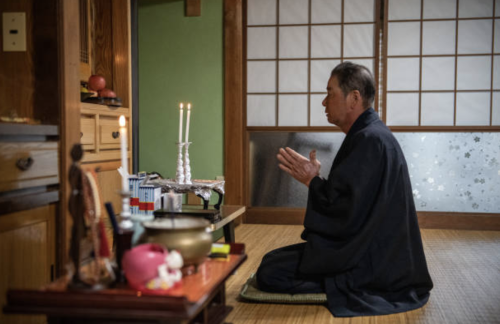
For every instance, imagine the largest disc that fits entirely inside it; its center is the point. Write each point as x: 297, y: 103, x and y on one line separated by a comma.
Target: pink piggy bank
x: 141, y: 264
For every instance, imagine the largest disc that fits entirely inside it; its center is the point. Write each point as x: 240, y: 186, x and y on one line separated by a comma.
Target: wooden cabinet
x: 110, y: 56
x: 27, y: 254
x: 39, y: 111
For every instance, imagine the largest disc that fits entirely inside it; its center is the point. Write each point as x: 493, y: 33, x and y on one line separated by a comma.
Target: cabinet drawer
x: 87, y: 127
x: 28, y: 165
x: 109, y: 133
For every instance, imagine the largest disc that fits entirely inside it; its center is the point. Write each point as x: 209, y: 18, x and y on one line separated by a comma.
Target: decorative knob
x: 24, y: 164
x: 115, y: 134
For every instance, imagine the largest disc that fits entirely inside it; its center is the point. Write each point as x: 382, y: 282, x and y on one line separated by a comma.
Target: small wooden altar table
x: 200, y: 299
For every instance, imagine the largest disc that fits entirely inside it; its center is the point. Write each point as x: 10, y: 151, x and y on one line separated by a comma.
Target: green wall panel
x: 181, y: 60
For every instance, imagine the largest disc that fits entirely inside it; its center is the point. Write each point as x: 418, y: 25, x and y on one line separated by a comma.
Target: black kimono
x: 361, y: 229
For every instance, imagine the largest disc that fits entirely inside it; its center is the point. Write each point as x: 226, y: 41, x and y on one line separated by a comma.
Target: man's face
x: 336, y: 105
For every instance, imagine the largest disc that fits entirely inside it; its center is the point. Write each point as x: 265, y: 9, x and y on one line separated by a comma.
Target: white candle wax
x: 123, y: 151
x: 180, y: 122
x: 187, y: 122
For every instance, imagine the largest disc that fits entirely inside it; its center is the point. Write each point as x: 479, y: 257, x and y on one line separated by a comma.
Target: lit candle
x: 123, y: 148
x: 180, y: 123
x: 187, y: 122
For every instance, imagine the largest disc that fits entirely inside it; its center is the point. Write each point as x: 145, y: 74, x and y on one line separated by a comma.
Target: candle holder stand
x: 125, y: 219
x: 179, y: 175
x: 187, y: 166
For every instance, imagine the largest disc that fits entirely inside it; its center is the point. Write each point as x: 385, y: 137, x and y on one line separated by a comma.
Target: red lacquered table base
x: 200, y: 299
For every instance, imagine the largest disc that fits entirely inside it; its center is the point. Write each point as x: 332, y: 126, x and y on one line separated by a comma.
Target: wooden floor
x: 464, y: 265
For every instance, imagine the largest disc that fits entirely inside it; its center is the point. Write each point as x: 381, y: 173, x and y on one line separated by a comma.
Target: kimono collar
x: 366, y: 118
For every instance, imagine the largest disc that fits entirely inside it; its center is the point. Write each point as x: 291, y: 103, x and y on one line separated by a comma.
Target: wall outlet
x: 14, y: 31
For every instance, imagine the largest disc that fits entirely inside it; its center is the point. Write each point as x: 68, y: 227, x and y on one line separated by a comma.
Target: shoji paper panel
x: 294, y: 12
x: 326, y: 11
x: 325, y: 41
x: 261, y: 110
x: 438, y: 73
x: 403, y: 73
x: 437, y: 109
x: 293, y: 76
x: 261, y: 43
x: 473, y: 108
x: 261, y: 76
x: 404, y: 38
x: 359, y: 11
x: 438, y: 37
x: 261, y: 12
x: 318, y: 116
x: 292, y: 110
x: 293, y: 42
x: 402, y: 109
x: 358, y: 40
x: 404, y: 9
x: 440, y: 9
x: 320, y: 74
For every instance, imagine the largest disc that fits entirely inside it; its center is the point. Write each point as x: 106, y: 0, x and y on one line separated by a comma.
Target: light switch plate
x: 14, y: 31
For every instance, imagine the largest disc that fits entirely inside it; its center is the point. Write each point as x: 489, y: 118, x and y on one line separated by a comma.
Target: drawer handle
x: 115, y: 135
x: 24, y: 164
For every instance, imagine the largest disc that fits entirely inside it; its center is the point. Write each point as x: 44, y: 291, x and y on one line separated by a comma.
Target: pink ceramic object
x: 141, y: 263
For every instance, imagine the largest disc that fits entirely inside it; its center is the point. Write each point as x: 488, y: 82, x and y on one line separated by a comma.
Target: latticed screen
x: 443, y: 63
x: 292, y: 46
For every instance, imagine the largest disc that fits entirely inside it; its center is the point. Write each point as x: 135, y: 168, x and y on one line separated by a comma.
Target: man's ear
x: 356, y: 98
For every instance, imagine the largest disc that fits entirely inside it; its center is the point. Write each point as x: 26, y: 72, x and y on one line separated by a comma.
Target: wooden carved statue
x: 88, y: 240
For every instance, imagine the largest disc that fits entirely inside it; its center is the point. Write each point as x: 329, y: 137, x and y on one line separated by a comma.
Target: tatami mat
x: 464, y: 265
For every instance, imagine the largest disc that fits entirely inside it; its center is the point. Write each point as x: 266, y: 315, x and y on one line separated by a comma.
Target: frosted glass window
x: 261, y: 76
x: 438, y: 73
x: 261, y: 12
x: 294, y: 12
x: 438, y: 37
x: 475, y: 8
x: 325, y: 41
x: 474, y: 36
x: 473, y: 108
x: 496, y: 109
x: 402, y: 109
x: 320, y: 73
x: 326, y: 11
x: 439, y: 9
x: 474, y: 73
x: 403, y: 73
x: 292, y: 110
x: 261, y: 110
x: 404, y: 38
x: 369, y: 63
x: 358, y: 40
x: 261, y: 42
x: 293, y: 42
x: 359, y: 11
x: 497, y: 36
x: 437, y: 109
x: 293, y: 76
x: 496, y: 72
x: 318, y: 116
x: 404, y: 9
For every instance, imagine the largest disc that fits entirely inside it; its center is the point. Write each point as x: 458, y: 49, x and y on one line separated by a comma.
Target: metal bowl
x: 190, y: 236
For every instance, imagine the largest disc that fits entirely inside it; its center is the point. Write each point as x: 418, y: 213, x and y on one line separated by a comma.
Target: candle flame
x: 189, y: 106
x: 122, y: 121
x: 182, y: 105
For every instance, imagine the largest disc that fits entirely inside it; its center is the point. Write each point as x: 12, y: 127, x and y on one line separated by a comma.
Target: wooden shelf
x: 25, y: 129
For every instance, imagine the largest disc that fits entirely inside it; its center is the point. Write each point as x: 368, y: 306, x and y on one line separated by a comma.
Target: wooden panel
x: 233, y: 103
x: 102, y: 47
x: 87, y: 130
x: 69, y: 97
x: 17, y: 70
x: 46, y: 62
x: 110, y: 183
x: 44, y: 169
x: 27, y: 253
x: 88, y: 108
x: 121, y: 48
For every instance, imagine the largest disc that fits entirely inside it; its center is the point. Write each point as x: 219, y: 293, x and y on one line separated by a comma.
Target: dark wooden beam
x: 193, y: 8
x: 429, y: 220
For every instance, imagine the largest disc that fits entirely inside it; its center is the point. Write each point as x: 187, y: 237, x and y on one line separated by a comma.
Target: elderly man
x: 363, y: 246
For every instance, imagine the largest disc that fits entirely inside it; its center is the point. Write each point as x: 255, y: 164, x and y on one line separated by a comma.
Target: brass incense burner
x: 190, y: 236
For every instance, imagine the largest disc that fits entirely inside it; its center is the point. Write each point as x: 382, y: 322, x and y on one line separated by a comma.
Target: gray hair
x: 351, y: 76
